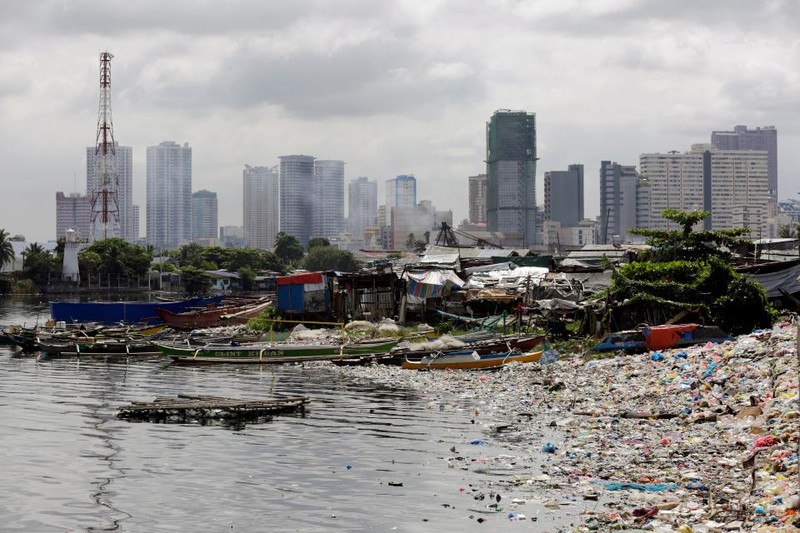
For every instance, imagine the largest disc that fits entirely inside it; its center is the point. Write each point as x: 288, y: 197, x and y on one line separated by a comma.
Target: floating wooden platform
x: 209, y: 409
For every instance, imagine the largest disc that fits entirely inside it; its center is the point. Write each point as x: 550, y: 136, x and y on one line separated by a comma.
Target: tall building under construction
x: 511, y: 175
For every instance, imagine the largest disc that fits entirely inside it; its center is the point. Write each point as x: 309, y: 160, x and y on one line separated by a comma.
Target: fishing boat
x: 97, y: 347
x: 661, y: 337
x: 212, y: 316
x: 122, y: 312
x: 468, y: 359
x: 481, y: 345
x: 266, y: 353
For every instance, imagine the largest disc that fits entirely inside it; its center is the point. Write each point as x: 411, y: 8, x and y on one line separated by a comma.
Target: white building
x: 169, y: 195
x: 297, y: 196
x: 362, y: 206
x: 261, y: 206
x: 73, y: 212
x: 123, y: 163
x: 401, y: 191
x: 328, y: 198
x: 731, y: 184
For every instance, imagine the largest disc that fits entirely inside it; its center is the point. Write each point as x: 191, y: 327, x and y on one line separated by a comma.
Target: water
x: 68, y: 464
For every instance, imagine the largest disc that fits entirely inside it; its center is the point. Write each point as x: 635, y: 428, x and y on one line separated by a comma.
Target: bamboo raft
x: 208, y: 409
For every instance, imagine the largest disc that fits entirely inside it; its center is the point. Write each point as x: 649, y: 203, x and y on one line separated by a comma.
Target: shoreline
x: 697, y: 439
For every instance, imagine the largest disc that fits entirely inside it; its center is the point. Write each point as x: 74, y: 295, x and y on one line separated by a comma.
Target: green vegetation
x: 690, y: 270
x: 114, y: 257
x: 330, y: 258
x: 6, y: 250
x: 288, y: 248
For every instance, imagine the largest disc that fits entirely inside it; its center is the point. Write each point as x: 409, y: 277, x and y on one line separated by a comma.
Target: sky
x: 390, y: 87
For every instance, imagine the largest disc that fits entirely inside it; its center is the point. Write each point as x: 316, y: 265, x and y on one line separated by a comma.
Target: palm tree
x: 6, y: 250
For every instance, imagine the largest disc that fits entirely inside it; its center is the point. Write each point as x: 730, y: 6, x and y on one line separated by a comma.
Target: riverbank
x: 693, y: 440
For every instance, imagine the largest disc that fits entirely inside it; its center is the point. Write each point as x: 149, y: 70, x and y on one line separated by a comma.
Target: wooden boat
x: 482, y: 346
x: 263, y: 353
x: 121, y: 312
x: 98, y: 347
x: 661, y: 337
x: 466, y: 359
x: 212, y: 316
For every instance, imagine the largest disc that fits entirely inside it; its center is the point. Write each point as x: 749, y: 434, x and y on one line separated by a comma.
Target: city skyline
x: 409, y: 88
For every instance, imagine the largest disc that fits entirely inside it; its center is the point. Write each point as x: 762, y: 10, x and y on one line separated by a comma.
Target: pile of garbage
x: 697, y: 439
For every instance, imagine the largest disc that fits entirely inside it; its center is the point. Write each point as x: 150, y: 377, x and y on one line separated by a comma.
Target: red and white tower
x: 105, y: 199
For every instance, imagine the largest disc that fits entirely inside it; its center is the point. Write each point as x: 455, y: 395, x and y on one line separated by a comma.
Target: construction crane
x: 447, y: 237
x: 104, y: 198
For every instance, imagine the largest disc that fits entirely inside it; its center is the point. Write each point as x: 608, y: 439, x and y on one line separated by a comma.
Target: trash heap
x: 697, y: 439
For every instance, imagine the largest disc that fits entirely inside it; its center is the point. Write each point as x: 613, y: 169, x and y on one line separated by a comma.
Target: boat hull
x: 268, y: 353
x: 209, y: 318
x: 465, y: 360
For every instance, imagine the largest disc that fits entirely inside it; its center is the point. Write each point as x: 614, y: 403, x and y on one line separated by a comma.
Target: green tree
x: 247, y: 277
x: 690, y: 270
x: 288, y: 248
x: 195, y: 281
x: 313, y: 242
x: 330, y: 258
x: 118, y: 258
x: 6, y: 250
x: 789, y: 231
x: 37, y: 263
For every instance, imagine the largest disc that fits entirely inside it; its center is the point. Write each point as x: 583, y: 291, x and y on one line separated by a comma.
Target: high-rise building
x: 328, y: 198
x: 169, y: 195
x: 297, y: 196
x: 73, y: 211
x: 261, y: 206
x: 731, y: 184
x: 741, y: 138
x: 619, y: 202
x: 204, y: 215
x: 401, y: 191
x: 563, y: 196
x: 511, y: 175
x: 477, y: 199
x: 362, y: 206
x: 124, y: 186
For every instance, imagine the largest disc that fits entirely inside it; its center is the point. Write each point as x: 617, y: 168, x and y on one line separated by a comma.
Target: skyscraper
x: 741, y: 138
x: 401, y: 191
x: 169, y: 195
x: 297, y: 196
x: 204, y: 215
x: 619, y: 201
x: 124, y: 186
x: 328, y: 198
x: 563, y: 195
x: 477, y: 199
x: 362, y: 206
x: 73, y: 211
x: 511, y: 174
x: 261, y: 206
x: 731, y: 184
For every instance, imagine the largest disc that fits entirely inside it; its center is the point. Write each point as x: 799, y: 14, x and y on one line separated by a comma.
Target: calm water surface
x: 68, y: 464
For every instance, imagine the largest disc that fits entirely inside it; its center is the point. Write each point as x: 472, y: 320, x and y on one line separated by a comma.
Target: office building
x: 328, y: 198
x: 477, y: 199
x: 362, y: 206
x: 563, y: 196
x: 297, y: 196
x: 169, y: 195
x: 73, y: 211
x: 401, y: 191
x: 511, y: 175
x: 620, y: 190
x: 731, y: 184
x: 741, y: 138
x: 204, y: 215
x: 261, y: 206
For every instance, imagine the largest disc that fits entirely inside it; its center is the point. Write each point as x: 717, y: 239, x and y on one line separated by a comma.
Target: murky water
x: 361, y: 459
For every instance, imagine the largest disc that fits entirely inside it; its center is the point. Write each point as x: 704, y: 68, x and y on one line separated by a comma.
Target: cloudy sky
x: 390, y: 87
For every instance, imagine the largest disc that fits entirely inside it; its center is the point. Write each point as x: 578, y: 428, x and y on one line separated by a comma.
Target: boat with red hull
x: 213, y: 316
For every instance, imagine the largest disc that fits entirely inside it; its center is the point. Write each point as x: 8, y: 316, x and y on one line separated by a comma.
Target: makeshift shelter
x: 306, y: 293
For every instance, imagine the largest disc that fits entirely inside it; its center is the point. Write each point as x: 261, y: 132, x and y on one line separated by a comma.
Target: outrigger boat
x: 212, y: 316
x: 265, y: 353
x: 467, y: 359
x: 661, y: 338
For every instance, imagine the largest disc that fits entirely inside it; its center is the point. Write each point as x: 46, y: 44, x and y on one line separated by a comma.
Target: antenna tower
x: 104, y: 197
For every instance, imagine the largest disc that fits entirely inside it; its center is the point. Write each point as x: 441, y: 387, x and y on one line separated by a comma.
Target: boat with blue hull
x: 123, y: 312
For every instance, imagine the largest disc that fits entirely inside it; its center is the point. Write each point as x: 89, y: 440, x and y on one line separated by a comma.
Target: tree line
x: 115, y: 258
